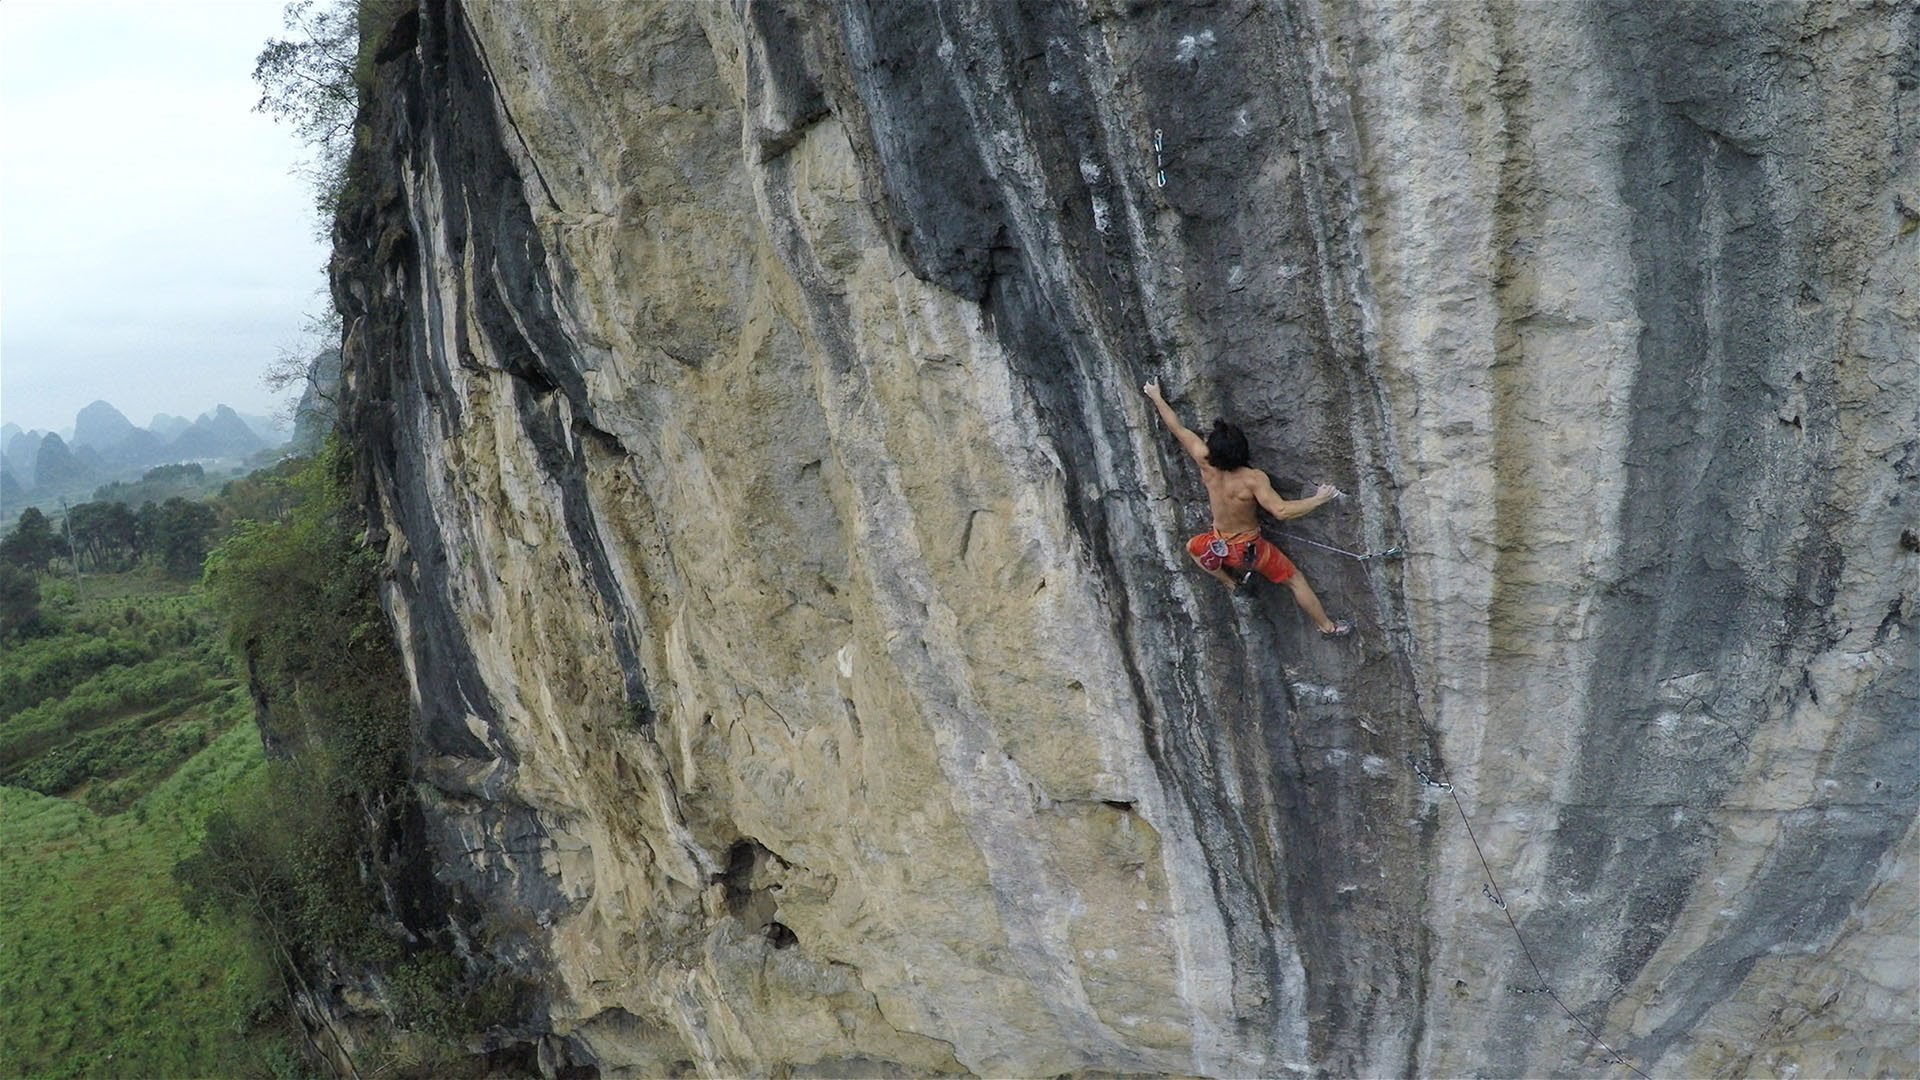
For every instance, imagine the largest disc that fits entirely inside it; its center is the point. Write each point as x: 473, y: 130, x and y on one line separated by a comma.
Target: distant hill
x: 168, y: 427
x: 43, y: 467
x: 102, y: 427
x: 272, y: 431
x: 57, y: 467
x: 20, y: 451
x: 220, y: 434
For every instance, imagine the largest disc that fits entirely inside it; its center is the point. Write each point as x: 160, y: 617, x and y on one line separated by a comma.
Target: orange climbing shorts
x: 1242, y: 551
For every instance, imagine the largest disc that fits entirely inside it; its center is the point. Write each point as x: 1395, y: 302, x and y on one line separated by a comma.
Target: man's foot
x: 1339, y: 629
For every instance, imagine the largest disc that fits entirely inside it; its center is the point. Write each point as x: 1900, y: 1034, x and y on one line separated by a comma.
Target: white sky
x: 155, y: 250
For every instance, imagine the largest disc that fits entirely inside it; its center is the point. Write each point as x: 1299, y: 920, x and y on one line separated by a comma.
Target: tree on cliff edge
x: 307, y: 80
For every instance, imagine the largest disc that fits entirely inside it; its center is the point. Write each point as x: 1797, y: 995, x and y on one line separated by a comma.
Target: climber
x: 1235, y: 488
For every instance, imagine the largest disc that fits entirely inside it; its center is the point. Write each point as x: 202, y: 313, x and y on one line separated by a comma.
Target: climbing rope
x: 1491, y: 890
x: 1395, y: 552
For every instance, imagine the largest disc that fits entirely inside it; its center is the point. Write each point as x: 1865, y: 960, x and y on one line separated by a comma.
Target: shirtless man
x: 1235, y: 488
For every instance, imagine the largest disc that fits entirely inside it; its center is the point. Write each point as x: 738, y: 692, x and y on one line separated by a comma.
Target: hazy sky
x: 155, y: 250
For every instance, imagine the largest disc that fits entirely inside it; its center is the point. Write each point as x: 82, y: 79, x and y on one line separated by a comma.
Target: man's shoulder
x: 1254, y: 483
x: 1243, y: 482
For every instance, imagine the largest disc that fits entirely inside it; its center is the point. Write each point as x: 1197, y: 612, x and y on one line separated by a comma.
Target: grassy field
x: 120, y: 732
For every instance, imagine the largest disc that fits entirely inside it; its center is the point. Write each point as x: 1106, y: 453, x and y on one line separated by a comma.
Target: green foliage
x: 117, y: 691
x: 32, y: 544
x: 102, y: 970
x: 302, y: 859
x: 129, y: 756
x: 265, y: 495
x: 175, y: 532
x: 111, y: 536
x: 191, y: 472
x: 102, y: 696
x: 306, y: 80
x: 37, y: 671
x: 282, y: 857
x: 300, y: 598
x: 315, y: 80
x: 160, y: 483
x: 434, y: 993
x: 103, y: 534
x: 19, y: 600
x: 124, y: 702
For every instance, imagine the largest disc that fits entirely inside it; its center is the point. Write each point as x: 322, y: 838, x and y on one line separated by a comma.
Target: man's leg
x: 1309, y: 603
x: 1225, y: 578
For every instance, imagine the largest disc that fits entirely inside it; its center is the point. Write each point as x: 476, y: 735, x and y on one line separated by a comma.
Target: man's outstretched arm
x: 1287, y: 509
x: 1194, y: 445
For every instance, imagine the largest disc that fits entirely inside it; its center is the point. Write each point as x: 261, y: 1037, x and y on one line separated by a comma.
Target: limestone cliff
x: 811, y: 679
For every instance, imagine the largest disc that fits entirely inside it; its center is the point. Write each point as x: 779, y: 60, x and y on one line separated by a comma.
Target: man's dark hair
x: 1227, y: 447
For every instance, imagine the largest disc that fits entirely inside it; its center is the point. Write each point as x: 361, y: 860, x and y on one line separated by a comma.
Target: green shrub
x: 93, y: 928
x: 435, y: 993
x: 50, y: 667
x: 284, y: 858
x: 112, y: 693
x: 300, y: 598
x: 301, y: 859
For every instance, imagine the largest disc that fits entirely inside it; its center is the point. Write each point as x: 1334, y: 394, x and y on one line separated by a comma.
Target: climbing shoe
x: 1341, y: 628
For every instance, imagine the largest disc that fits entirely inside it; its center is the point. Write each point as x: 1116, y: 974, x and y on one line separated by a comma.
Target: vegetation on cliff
x: 314, y: 79
x: 136, y: 796
x: 314, y: 858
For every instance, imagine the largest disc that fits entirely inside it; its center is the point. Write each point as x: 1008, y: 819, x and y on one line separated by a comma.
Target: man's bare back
x: 1236, y: 494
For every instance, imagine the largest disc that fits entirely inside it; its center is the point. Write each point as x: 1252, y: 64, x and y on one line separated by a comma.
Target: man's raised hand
x: 1152, y: 389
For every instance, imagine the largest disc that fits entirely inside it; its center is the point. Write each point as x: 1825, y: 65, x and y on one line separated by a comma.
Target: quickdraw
x: 1420, y: 771
x: 1491, y: 890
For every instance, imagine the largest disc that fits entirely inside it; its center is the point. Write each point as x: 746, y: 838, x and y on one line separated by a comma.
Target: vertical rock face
x: 810, y: 676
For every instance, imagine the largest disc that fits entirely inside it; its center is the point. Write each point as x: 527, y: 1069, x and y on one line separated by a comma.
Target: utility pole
x: 73, y: 553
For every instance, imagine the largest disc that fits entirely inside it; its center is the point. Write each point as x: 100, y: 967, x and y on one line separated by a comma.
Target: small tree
x: 104, y: 532
x: 175, y: 532
x: 307, y: 80
x: 32, y: 543
x: 19, y: 599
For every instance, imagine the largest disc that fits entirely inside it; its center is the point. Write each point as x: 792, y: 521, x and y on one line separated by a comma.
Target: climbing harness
x: 1491, y: 890
x: 1159, y: 166
x: 1220, y: 554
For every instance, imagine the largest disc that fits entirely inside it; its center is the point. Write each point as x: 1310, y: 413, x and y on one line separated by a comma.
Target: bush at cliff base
x: 300, y: 857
